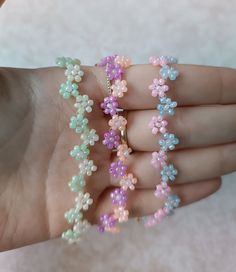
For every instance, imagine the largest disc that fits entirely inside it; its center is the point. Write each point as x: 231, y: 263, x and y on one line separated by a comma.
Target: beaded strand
x: 114, y: 68
x: 79, y: 123
x: 158, y: 124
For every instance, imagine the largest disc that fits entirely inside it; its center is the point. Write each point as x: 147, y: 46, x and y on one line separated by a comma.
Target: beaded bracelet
x: 114, y: 68
x: 168, y: 142
x: 79, y: 123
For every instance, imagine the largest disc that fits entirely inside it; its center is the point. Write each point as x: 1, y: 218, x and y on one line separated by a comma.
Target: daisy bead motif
x: 166, y: 106
x: 158, y: 124
x: 87, y: 167
x: 110, y: 105
x: 121, y: 214
x: 111, y: 139
x: 172, y: 203
x: 73, y: 215
x: 80, y: 152
x: 162, y: 190
x: 108, y: 222
x: 158, y: 87
x: 123, y: 152
x: 73, y: 236
x: 83, y: 201
x: 74, y: 72
x: 117, y: 122
x: 78, y: 123
x: 128, y: 182
x: 168, y: 142
x: 159, y: 159
x: 83, y: 104
x: 168, y: 173
x: 122, y: 61
x: 77, y: 183
x: 68, y: 89
x: 117, y: 169
x: 168, y: 72
x: 89, y: 137
x: 114, y: 71
x: 81, y: 227
x: 119, y: 197
x: 119, y: 88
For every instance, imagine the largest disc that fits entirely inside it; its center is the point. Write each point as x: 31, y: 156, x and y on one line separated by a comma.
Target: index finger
x: 196, y: 85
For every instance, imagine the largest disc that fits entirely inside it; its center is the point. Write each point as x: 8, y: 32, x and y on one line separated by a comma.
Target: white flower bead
x: 83, y: 103
x: 83, y: 201
x: 81, y: 227
x: 89, y: 137
x: 87, y: 167
x: 73, y: 72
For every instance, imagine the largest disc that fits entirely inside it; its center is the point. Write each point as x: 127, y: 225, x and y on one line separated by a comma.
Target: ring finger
x: 194, y: 126
x: 192, y: 165
x: 143, y: 202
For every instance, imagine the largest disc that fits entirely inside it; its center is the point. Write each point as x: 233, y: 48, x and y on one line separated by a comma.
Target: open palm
x: 36, y: 140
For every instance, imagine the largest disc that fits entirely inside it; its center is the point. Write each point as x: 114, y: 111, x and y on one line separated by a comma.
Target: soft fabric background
x: 201, y: 237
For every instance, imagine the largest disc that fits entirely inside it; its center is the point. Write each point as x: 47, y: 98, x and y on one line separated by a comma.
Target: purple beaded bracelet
x: 114, y: 68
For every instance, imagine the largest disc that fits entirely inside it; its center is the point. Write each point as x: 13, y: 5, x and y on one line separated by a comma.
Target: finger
x: 196, y: 85
x: 143, y: 202
x: 192, y: 165
x: 1, y: 2
x: 194, y: 126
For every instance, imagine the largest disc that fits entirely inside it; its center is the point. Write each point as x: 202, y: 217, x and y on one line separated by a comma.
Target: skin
x: 35, y: 141
x: 1, y: 2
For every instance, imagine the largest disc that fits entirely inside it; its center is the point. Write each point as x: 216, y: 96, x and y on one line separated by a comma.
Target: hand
x: 35, y: 141
x: 1, y: 2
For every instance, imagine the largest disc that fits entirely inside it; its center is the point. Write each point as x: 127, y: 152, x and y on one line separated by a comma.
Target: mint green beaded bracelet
x: 88, y: 137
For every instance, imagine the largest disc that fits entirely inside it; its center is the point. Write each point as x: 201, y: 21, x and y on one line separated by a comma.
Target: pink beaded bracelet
x: 114, y: 140
x: 168, y: 142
